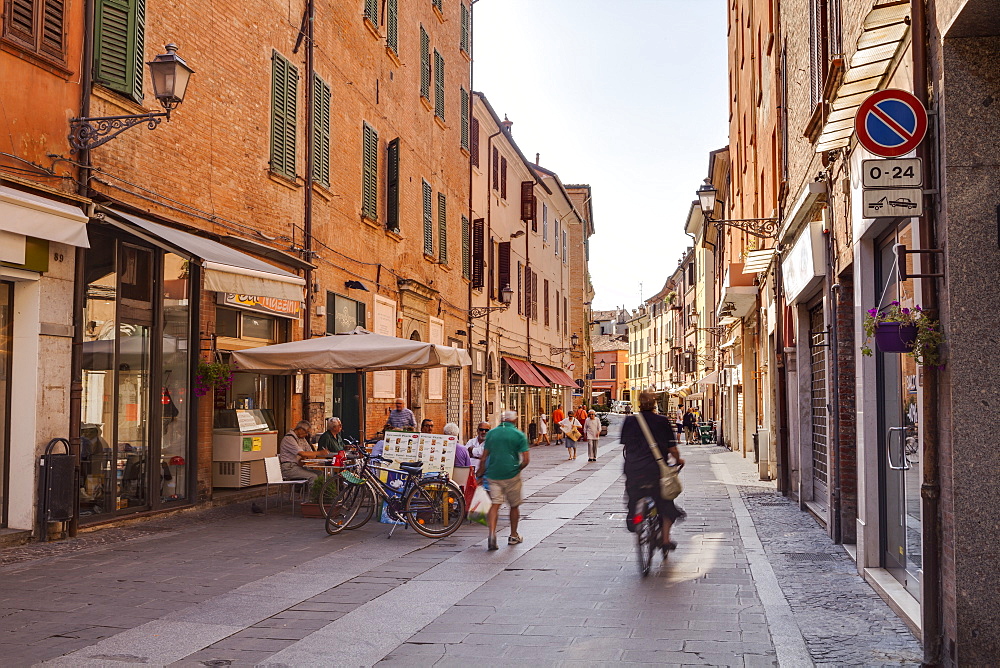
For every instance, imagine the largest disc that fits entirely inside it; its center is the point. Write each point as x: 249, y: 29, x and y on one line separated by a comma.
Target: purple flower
x: 905, y: 311
x: 894, y: 303
x: 873, y: 312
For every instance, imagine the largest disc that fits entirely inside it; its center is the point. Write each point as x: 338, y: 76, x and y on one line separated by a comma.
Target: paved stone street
x: 755, y: 582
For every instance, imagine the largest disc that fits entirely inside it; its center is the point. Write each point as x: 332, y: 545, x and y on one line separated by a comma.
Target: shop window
x: 257, y: 327
x: 136, y: 265
x: 227, y: 323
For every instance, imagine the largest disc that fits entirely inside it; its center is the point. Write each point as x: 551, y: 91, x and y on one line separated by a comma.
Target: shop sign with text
x: 286, y: 308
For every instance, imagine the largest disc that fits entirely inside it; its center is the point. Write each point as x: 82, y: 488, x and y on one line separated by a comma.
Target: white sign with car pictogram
x: 895, y: 203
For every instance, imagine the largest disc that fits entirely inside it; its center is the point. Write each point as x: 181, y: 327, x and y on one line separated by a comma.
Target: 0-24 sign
x: 892, y: 173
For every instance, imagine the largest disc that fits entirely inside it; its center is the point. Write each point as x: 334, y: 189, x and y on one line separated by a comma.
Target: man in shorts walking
x: 505, y: 454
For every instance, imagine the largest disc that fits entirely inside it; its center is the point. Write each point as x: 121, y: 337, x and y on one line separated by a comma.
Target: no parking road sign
x: 891, y: 123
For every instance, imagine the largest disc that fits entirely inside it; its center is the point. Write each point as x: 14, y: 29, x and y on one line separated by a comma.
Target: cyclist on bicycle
x: 642, y: 473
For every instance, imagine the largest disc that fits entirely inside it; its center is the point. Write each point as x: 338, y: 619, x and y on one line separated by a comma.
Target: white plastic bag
x: 481, y: 504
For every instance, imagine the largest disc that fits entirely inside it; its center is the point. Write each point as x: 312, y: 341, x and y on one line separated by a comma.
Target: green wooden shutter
x: 392, y: 186
x: 465, y: 118
x: 438, y: 4
x: 478, y: 253
x: 428, y: 220
x: 438, y: 85
x: 118, y: 45
x: 321, y: 131
x: 371, y: 11
x: 369, y: 186
x: 442, y: 228
x: 392, y: 26
x: 464, y: 40
x: 466, y: 248
x: 284, y: 100
x: 425, y: 64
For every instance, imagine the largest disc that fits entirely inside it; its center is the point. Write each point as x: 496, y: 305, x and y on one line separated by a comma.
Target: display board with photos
x: 436, y: 451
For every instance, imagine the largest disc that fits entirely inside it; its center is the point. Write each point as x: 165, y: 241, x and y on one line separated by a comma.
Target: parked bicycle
x: 429, y: 503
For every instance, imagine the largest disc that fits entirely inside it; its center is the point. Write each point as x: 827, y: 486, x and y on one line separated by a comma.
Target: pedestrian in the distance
x: 581, y: 414
x: 592, y: 432
x: 543, y: 429
x: 690, y: 427
x: 505, y: 454
x: 557, y: 417
x: 568, y: 425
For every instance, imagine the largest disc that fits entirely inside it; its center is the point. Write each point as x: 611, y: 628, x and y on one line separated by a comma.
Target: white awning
x: 758, y: 261
x: 43, y: 218
x: 710, y: 379
x: 884, y: 30
x: 225, y: 269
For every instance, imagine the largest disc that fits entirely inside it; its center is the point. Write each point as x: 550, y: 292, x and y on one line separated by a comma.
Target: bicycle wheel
x: 645, y: 536
x: 342, y: 508
x: 331, y: 488
x: 434, y: 508
x: 365, y: 502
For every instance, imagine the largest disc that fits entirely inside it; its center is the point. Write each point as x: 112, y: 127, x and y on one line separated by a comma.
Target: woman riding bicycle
x: 642, y: 473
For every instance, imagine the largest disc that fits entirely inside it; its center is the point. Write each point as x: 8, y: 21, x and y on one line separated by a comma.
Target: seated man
x: 293, y: 449
x: 331, y: 440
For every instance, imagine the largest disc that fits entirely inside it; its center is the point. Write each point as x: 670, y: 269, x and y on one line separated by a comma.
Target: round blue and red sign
x: 891, y: 123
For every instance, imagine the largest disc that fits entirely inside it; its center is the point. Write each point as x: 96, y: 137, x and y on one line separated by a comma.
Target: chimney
x: 537, y: 156
x: 506, y: 124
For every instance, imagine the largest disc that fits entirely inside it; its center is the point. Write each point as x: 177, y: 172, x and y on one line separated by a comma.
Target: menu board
x: 436, y: 451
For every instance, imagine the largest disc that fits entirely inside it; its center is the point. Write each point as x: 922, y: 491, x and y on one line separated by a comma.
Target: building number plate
x: 901, y: 173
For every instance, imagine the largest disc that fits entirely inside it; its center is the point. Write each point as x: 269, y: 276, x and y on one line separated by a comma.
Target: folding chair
x: 273, y: 469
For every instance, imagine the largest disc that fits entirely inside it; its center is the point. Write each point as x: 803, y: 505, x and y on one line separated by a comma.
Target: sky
x: 629, y: 96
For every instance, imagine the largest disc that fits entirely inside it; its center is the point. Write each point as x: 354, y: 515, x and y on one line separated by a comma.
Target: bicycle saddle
x: 411, y: 467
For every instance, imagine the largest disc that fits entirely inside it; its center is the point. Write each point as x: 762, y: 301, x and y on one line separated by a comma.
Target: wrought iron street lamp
x: 169, y: 74
x: 765, y: 228
x: 505, y: 296
x: 573, y: 341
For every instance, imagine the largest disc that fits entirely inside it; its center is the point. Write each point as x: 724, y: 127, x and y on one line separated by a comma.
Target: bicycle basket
x: 352, y: 478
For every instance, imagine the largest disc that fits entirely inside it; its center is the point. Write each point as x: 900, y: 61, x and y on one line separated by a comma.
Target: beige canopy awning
x: 355, y: 351
x: 225, y: 269
x: 43, y: 218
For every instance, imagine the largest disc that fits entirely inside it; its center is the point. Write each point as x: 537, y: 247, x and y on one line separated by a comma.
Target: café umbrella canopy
x: 358, y: 351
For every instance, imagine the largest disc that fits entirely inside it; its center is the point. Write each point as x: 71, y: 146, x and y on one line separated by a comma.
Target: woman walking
x: 592, y: 432
x: 568, y: 425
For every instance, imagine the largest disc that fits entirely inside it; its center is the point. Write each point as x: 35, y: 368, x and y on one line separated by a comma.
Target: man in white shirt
x: 475, y: 444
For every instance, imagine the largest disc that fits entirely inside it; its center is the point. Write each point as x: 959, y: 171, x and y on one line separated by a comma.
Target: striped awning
x: 556, y: 376
x: 883, y: 32
x: 758, y: 261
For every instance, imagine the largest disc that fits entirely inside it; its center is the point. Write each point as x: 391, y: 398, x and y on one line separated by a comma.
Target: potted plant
x: 899, y: 329
x: 312, y: 507
x: 604, y: 424
x: 211, y: 375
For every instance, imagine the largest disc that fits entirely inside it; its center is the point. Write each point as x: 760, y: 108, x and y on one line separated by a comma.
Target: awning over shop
x: 758, y: 261
x: 710, y: 379
x: 34, y: 216
x: 556, y: 376
x: 883, y: 32
x: 695, y: 396
x: 527, y: 372
x: 225, y: 269
x: 602, y: 386
x: 680, y: 391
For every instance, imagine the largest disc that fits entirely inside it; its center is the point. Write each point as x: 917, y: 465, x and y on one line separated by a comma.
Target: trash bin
x: 59, y: 484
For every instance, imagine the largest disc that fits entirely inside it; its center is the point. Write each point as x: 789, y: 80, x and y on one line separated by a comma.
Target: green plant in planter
x: 210, y: 375
x: 605, y: 421
x: 671, y: 298
x: 927, y: 344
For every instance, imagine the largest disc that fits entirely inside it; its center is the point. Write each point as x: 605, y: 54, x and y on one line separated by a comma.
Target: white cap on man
x: 509, y: 416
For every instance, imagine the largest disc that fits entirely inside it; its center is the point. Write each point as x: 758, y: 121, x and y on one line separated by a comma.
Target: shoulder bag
x: 670, y: 482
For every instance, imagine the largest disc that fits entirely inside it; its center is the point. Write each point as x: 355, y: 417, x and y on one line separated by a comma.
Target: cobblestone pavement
x: 225, y: 587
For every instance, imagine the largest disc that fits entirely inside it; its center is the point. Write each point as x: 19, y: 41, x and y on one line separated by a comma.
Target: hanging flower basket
x: 895, y: 337
x: 211, y: 375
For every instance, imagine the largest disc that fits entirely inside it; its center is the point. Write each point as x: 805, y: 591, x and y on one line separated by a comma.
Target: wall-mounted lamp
x: 506, y: 294
x: 515, y: 235
x: 461, y: 332
x: 169, y: 74
x: 355, y: 285
x: 573, y: 341
x: 765, y: 228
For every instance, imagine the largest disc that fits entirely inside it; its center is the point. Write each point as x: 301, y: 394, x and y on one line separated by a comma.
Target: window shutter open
x: 284, y: 89
x: 527, y: 292
x: 528, y: 203
x: 438, y: 85
x: 496, y: 169
x: 545, y: 300
x: 392, y: 186
x: 557, y: 310
x: 465, y: 118
x: 503, y: 177
x: 392, y: 26
x: 520, y: 289
x: 428, y: 205
x: 534, y: 296
x: 478, y: 252
x: 463, y: 42
x: 425, y: 64
x: 19, y: 21
x: 466, y: 248
x: 52, y: 38
x: 321, y: 131
x: 369, y: 188
x: 371, y: 11
x: 474, y: 140
x: 442, y: 228
x: 118, y: 45
x: 138, y: 31
x: 503, y: 266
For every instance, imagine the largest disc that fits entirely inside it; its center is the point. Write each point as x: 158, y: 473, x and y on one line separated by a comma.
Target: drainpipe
x: 79, y: 278
x: 784, y: 477
x: 307, y: 204
x: 833, y: 297
x: 930, y: 490
x: 468, y: 329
